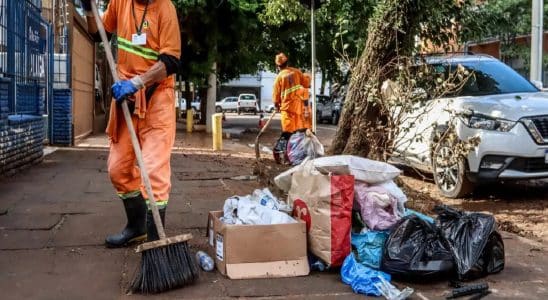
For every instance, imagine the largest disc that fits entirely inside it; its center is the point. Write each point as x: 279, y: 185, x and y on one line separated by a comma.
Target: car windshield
x: 247, y: 97
x: 489, y: 78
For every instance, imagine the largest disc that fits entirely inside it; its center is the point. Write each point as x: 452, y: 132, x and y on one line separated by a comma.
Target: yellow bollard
x: 217, y: 131
x: 189, y: 120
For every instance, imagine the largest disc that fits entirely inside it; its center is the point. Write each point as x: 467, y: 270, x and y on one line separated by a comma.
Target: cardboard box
x: 257, y: 251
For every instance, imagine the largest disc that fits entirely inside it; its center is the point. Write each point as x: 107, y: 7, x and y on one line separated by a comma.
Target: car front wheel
x: 218, y: 109
x: 450, y: 172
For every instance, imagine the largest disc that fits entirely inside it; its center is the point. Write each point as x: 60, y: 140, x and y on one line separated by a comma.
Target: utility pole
x: 536, y: 41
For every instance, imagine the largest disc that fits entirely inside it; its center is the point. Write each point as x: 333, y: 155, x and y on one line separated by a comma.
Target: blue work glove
x: 123, y: 89
x: 86, y: 4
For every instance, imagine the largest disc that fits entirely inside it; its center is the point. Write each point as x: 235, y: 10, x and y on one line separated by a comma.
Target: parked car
x: 227, y: 104
x: 247, y: 103
x: 270, y: 108
x: 327, y: 109
x: 194, y: 104
x: 507, y: 112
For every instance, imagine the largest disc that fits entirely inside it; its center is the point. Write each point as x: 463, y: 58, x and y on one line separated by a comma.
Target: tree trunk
x: 391, y: 33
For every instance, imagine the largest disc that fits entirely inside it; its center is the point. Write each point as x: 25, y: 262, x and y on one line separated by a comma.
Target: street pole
x: 536, y: 41
x: 313, y: 46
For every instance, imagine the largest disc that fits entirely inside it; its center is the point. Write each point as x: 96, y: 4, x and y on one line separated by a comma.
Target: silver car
x: 506, y: 111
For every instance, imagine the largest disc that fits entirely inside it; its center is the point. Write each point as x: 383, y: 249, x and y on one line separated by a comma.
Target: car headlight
x: 488, y: 123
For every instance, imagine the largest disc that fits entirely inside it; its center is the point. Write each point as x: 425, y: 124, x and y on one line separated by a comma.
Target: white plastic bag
x: 363, y: 169
x: 391, y: 187
x: 265, y: 198
x: 260, y: 208
x: 253, y: 213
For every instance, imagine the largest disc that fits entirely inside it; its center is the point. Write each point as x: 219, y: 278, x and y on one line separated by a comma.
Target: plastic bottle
x: 205, y: 261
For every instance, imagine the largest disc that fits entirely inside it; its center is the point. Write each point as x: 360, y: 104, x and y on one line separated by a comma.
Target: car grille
x: 529, y: 165
x: 542, y: 125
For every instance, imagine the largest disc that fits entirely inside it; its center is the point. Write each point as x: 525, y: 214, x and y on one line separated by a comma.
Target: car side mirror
x: 538, y: 84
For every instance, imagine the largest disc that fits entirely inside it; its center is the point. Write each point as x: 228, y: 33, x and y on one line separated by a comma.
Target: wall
x: 25, y: 79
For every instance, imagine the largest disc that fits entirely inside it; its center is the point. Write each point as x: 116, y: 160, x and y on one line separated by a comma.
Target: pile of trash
x: 357, y: 220
x: 259, y: 208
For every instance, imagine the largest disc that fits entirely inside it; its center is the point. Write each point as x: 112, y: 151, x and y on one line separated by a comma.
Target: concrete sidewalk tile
x: 43, y: 221
x: 26, y: 274
x: 187, y: 220
x: 324, y: 283
x: 88, y: 273
x: 242, y: 187
x: 24, y: 239
x: 177, y: 204
x: 105, y: 206
x: 80, y: 230
x: 38, y: 208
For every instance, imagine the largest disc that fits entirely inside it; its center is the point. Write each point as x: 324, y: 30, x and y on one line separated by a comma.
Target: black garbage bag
x: 415, y: 250
x: 476, y: 246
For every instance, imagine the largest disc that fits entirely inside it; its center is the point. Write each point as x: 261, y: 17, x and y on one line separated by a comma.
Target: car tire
x: 218, y: 109
x: 271, y: 110
x: 450, y: 172
x: 319, y: 117
x: 255, y: 111
x: 335, y: 118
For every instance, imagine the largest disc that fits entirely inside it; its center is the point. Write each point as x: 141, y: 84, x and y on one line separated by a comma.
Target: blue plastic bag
x: 418, y: 214
x: 369, y: 246
x: 361, y: 278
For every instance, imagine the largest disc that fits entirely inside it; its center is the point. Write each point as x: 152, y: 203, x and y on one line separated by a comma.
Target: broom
x: 167, y: 262
x: 257, y: 152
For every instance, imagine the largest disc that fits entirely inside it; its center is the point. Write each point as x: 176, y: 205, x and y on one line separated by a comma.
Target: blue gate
x: 25, y: 82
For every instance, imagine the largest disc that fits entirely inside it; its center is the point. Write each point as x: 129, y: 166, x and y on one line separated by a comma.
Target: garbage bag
x: 302, y: 145
x: 416, y: 250
x: 477, y: 247
x: 428, y: 219
x: 361, y: 278
x: 378, y: 208
x: 369, y: 246
x: 391, y: 187
x: 324, y: 203
x: 248, y: 210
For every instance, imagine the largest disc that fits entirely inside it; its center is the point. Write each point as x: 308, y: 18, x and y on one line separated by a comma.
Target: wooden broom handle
x: 129, y: 122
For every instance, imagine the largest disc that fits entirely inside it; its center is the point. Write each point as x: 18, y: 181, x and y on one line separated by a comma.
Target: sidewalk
x: 54, y: 217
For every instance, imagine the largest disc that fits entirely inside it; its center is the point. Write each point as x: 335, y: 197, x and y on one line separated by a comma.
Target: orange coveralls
x: 289, y: 92
x: 154, y: 123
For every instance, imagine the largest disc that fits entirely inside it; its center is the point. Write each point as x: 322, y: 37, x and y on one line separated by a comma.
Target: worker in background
x: 149, y: 50
x: 290, y: 95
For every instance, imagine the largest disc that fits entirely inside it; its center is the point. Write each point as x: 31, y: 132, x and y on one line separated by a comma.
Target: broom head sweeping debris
x: 166, y: 264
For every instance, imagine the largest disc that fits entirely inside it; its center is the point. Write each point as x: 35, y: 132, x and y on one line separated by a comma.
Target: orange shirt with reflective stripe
x: 162, y: 33
x: 289, y: 91
x: 286, y: 86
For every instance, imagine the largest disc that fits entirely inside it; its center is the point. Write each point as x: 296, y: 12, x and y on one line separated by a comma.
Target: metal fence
x: 25, y: 56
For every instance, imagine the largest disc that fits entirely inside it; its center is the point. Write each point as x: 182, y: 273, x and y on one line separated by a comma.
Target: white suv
x: 507, y: 112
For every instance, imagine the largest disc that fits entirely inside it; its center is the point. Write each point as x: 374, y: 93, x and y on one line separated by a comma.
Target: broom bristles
x: 165, y: 268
